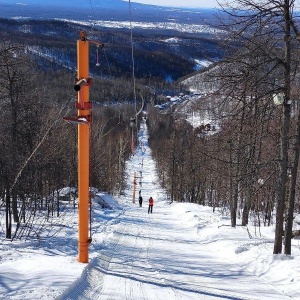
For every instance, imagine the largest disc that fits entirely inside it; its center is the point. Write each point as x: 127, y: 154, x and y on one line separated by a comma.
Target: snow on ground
x: 173, y: 40
x: 182, y: 251
x: 202, y: 63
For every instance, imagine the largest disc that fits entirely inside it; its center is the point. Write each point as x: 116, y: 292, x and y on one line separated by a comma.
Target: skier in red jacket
x: 151, y: 202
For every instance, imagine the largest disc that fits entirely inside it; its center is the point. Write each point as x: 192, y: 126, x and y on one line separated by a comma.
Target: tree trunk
x: 233, y: 207
x: 291, y: 199
x: 8, y: 214
x: 57, y: 203
x: 15, y: 208
x: 232, y: 214
x: 284, y: 134
x: 246, y: 210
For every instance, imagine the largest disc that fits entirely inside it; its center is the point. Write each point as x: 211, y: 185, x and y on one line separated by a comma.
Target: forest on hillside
x: 162, y: 54
x: 250, y: 165
x: 39, y: 150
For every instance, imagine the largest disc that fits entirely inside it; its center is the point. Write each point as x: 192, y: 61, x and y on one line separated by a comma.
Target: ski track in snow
x: 144, y: 269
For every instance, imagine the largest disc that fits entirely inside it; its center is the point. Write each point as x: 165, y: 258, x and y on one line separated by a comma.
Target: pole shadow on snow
x: 174, y: 286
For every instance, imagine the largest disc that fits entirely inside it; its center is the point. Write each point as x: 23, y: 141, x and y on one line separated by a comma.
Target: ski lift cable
x: 92, y: 29
x: 90, y: 123
x: 93, y: 24
x: 132, y: 54
x: 93, y: 15
x: 142, y: 106
x: 90, y: 174
x: 133, y: 78
x: 81, y: 100
x: 133, y: 65
x: 97, y: 56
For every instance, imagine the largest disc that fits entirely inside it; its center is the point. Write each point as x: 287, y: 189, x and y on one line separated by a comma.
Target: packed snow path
x: 157, y: 256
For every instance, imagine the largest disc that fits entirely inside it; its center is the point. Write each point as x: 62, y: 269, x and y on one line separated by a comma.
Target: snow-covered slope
x: 181, y: 251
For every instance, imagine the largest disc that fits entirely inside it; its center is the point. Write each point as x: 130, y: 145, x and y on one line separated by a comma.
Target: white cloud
x: 180, y: 3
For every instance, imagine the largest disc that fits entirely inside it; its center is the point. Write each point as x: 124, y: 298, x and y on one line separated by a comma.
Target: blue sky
x: 180, y: 3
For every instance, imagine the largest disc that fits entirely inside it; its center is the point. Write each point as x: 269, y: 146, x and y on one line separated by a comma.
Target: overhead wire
x: 93, y: 32
x: 93, y: 14
x: 134, y: 89
x: 90, y: 139
x: 133, y: 77
x: 132, y: 54
x: 103, y: 49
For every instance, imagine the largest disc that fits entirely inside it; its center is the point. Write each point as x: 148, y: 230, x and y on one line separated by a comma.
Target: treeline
x: 39, y: 150
x: 250, y: 164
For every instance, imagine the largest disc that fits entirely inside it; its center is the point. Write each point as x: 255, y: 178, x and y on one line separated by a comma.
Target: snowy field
x: 182, y: 251
x: 180, y: 27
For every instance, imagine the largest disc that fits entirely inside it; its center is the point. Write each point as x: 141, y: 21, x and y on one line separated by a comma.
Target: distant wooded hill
x: 164, y: 54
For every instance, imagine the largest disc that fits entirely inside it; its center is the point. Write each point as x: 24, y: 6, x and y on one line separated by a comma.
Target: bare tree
x: 265, y: 28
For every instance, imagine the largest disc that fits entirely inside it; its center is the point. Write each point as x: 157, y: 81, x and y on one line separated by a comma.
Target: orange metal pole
x: 83, y: 150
